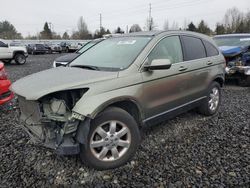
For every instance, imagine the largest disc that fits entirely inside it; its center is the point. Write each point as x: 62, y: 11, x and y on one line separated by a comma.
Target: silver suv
x: 96, y: 105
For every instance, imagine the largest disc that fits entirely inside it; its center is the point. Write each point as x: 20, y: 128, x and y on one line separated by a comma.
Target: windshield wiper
x: 86, y: 67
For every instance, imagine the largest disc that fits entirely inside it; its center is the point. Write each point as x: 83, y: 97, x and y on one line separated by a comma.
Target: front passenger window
x: 167, y: 48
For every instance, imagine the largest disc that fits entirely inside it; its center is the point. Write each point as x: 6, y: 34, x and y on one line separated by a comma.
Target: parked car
x: 5, y: 94
x: 236, y: 49
x: 53, y: 47
x: 69, y: 46
x: 96, y: 105
x: 37, y: 49
x: 64, y: 60
x: 9, y: 53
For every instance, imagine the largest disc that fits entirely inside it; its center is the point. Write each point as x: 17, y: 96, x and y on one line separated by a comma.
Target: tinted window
x: 193, y: 48
x: 211, y: 50
x: 2, y: 44
x: 168, y: 48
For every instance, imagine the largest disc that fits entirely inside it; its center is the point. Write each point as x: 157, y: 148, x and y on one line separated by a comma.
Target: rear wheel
x: 112, y: 141
x: 20, y: 59
x: 211, y: 104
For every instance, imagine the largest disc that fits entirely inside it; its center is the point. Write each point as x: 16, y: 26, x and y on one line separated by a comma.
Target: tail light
x: 3, y: 74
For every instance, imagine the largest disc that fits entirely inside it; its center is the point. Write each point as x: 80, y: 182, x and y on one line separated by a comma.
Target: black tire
x: 204, y: 108
x: 245, y: 81
x: 20, y: 59
x: 67, y: 50
x: 7, y: 61
x: 114, y: 114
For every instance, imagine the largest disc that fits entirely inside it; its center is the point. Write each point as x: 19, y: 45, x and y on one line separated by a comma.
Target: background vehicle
x: 69, y: 46
x: 114, y: 88
x: 37, y: 49
x: 64, y: 60
x: 53, y: 47
x: 5, y: 94
x: 9, y: 53
x: 236, y: 49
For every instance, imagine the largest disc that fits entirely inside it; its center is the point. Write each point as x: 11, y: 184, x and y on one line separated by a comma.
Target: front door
x: 165, y: 90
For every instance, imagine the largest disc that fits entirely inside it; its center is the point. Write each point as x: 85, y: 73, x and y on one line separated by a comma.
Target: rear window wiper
x: 86, y: 67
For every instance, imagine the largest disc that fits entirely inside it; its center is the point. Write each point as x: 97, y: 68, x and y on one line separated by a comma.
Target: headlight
x: 58, y: 106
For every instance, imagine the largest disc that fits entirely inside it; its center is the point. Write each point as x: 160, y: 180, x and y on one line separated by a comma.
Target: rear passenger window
x: 211, y: 49
x: 167, y: 48
x: 193, y: 48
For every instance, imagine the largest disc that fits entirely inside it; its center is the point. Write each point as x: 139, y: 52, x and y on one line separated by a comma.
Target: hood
x: 67, y: 58
x: 37, y: 85
x: 230, y: 50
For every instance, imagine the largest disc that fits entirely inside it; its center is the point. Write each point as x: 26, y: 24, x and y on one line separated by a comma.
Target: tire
x: 20, y: 59
x: 120, y: 119
x: 67, y: 50
x: 7, y: 61
x: 244, y: 82
x: 206, y: 107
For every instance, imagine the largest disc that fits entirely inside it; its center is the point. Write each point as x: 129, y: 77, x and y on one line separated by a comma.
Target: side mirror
x: 158, y: 64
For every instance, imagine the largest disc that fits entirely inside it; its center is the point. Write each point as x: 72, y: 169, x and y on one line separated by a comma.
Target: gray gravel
x: 189, y: 150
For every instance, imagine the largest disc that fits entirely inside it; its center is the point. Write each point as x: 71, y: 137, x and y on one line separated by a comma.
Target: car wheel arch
x: 130, y: 105
x: 220, y: 80
x: 17, y: 52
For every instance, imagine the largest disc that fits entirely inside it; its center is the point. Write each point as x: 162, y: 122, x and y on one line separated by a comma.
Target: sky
x: 29, y: 16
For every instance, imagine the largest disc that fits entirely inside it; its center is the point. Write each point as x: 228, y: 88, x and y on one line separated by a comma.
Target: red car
x: 5, y: 94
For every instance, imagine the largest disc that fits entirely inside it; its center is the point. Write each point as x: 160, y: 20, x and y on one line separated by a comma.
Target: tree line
x: 234, y: 21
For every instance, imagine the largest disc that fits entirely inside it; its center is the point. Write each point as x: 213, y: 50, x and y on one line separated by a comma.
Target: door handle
x: 182, y: 68
x: 209, y: 63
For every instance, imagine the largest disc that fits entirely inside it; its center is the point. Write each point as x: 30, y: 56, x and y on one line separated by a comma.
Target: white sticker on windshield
x: 126, y: 42
x: 245, y: 39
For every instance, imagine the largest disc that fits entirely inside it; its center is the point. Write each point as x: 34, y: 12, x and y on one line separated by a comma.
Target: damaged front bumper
x: 238, y: 69
x: 54, y: 132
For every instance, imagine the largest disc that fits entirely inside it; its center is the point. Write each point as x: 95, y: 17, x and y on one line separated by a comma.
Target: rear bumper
x: 5, y: 94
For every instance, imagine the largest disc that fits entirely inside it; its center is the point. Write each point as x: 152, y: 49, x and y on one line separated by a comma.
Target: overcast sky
x: 29, y: 16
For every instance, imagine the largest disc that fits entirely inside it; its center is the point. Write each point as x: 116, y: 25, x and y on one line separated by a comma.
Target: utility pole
x: 150, y: 18
x: 100, y: 22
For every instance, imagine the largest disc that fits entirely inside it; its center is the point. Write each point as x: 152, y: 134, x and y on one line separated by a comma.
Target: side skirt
x: 169, y: 114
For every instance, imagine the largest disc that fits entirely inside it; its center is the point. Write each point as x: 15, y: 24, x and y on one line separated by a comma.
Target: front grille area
x: 30, y: 111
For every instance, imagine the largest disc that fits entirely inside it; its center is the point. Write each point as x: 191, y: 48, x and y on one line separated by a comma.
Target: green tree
x: 220, y: 29
x: 8, y: 31
x: 203, y: 28
x: 135, y: 28
x: 65, y: 36
x: 191, y: 27
x: 100, y: 33
x: 46, y: 33
x: 119, y: 30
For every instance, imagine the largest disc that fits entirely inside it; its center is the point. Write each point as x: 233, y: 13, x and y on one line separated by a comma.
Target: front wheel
x: 113, y: 139
x: 20, y: 59
x: 211, y: 104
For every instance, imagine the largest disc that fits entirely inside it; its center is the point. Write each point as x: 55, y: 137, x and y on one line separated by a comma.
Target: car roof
x: 155, y: 33
x: 233, y: 35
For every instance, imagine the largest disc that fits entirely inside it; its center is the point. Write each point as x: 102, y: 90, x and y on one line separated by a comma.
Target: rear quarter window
x: 193, y: 48
x: 211, y: 49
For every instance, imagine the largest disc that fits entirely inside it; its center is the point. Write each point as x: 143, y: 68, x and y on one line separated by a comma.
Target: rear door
x: 196, y: 60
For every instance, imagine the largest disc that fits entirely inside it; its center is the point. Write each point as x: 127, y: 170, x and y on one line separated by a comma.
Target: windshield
x: 233, y: 41
x: 112, y: 54
x: 86, y: 46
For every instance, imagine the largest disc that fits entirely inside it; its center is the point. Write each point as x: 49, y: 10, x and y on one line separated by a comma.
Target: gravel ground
x: 189, y: 150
